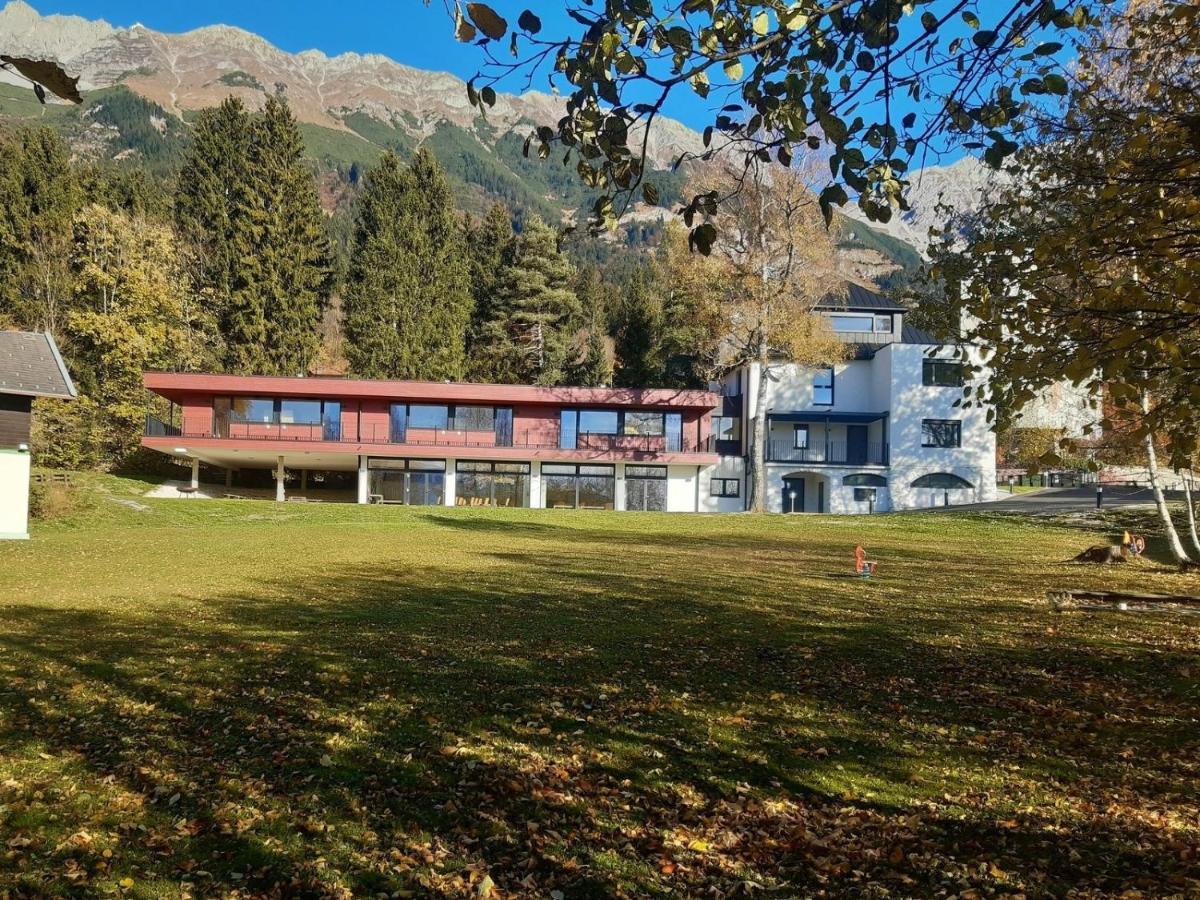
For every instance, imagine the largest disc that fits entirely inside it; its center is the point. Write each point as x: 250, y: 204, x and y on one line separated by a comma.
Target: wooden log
x: 1123, y: 597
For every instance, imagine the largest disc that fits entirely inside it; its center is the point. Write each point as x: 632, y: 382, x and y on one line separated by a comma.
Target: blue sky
x: 406, y: 30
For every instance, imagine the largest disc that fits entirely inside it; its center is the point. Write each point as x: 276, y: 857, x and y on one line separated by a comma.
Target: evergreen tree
x: 408, y: 298
x: 212, y: 181
x: 489, y: 246
x: 279, y: 240
x: 639, y: 334
x: 595, y: 369
x: 39, y: 196
x: 531, y: 333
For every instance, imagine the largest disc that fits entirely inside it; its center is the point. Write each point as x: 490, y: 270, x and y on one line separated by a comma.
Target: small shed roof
x: 31, y: 366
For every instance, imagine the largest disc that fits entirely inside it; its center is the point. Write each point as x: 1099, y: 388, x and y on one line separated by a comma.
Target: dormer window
x: 883, y: 324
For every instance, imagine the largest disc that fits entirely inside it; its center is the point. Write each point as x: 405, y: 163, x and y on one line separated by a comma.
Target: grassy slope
x: 330, y: 699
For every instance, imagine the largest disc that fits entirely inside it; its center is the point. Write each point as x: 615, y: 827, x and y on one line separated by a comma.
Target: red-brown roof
x: 173, y: 385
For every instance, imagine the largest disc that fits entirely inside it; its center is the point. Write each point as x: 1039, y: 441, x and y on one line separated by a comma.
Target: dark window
x: 725, y: 428
x: 397, y: 424
x: 823, y: 387
x: 942, y: 481
x: 474, y: 418
x: 725, y: 487
x: 941, y: 433
x: 585, y: 487
x: 674, y: 432
x: 331, y: 420
x: 428, y: 416
x: 646, y: 488
x: 504, y: 427
x: 941, y: 373
x: 492, y: 484
x: 800, y: 437
x: 649, y: 423
x: 864, y: 480
x: 414, y: 482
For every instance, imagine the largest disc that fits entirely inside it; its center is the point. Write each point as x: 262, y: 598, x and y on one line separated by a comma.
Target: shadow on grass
x: 588, y: 720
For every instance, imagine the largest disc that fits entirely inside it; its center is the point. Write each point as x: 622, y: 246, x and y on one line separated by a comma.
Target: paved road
x: 1053, y: 501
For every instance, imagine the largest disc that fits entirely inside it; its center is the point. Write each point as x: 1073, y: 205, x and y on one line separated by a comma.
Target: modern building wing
x: 30, y: 367
x: 886, y: 429
x: 432, y: 443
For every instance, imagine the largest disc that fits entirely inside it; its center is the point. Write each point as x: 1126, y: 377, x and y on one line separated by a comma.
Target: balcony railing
x: 331, y: 432
x: 836, y: 453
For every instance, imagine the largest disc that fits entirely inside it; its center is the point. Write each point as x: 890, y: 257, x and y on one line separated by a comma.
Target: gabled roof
x: 31, y: 366
x: 859, y: 298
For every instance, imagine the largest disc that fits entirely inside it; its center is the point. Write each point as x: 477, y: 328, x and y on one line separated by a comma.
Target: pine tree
x: 531, y: 334
x: 489, y: 246
x: 639, y: 335
x: 212, y: 180
x: 408, y: 298
x: 595, y: 369
x: 281, y: 246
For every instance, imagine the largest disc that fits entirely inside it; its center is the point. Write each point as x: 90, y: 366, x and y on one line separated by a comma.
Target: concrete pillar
x: 619, y: 488
x: 195, y: 482
x: 451, y: 482
x: 537, y: 499
x: 279, y: 494
x: 363, y: 480
x: 229, y: 478
x: 304, y: 479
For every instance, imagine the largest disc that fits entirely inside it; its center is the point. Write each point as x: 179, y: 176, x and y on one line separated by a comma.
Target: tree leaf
x: 529, y: 22
x: 487, y: 20
x: 762, y: 24
x: 733, y: 69
x: 1055, y: 83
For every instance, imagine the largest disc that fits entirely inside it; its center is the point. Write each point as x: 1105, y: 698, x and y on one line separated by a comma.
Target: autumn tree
x: 281, y: 280
x: 788, y: 73
x: 408, y: 297
x: 774, y: 263
x: 133, y: 311
x: 1086, y: 268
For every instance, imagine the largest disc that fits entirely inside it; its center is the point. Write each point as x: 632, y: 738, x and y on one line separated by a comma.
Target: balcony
x: 835, y: 453
x: 526, y: 439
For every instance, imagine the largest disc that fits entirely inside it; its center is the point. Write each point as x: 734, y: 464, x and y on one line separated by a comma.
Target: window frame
x: 831, y: 387
x: 798, y: 430
x: 930, y: 365
x: 724, y: 490
x: 927, y: 426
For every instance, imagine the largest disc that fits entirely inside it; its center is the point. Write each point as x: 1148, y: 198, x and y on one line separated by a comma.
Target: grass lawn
x: 238, y: 698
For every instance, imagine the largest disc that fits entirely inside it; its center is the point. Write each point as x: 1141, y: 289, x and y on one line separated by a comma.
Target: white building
x: 884, y: 430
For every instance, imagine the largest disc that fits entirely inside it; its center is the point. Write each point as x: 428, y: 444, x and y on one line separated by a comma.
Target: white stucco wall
x: 682, y: 483
x: 728, y: 467
x: 14, y: 495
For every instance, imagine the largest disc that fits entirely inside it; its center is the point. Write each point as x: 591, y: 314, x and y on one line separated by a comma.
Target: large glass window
x: 598, y: 421
x: 331, y: 420
x: 568, y: 429
x: 474, y: 418
x: 674, y: 432
x: 415, y: 482
x: 844, y: 324
x: 823, y: 386
x: 648, y: 423
x: 800, y: 437
x: 725, y: 428
x: 941, y: 433
x: 397, y: 424
x: 583, y: 487
x: 299, y: 412
x: 646, y: 488
x: 423, y: 415
x: 492, y: 484
x: 260, y: 410
x: 941, y: 373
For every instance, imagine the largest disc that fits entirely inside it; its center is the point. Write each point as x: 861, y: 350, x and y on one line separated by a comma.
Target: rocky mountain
x: 141, y: 88
x: 961, y: 185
